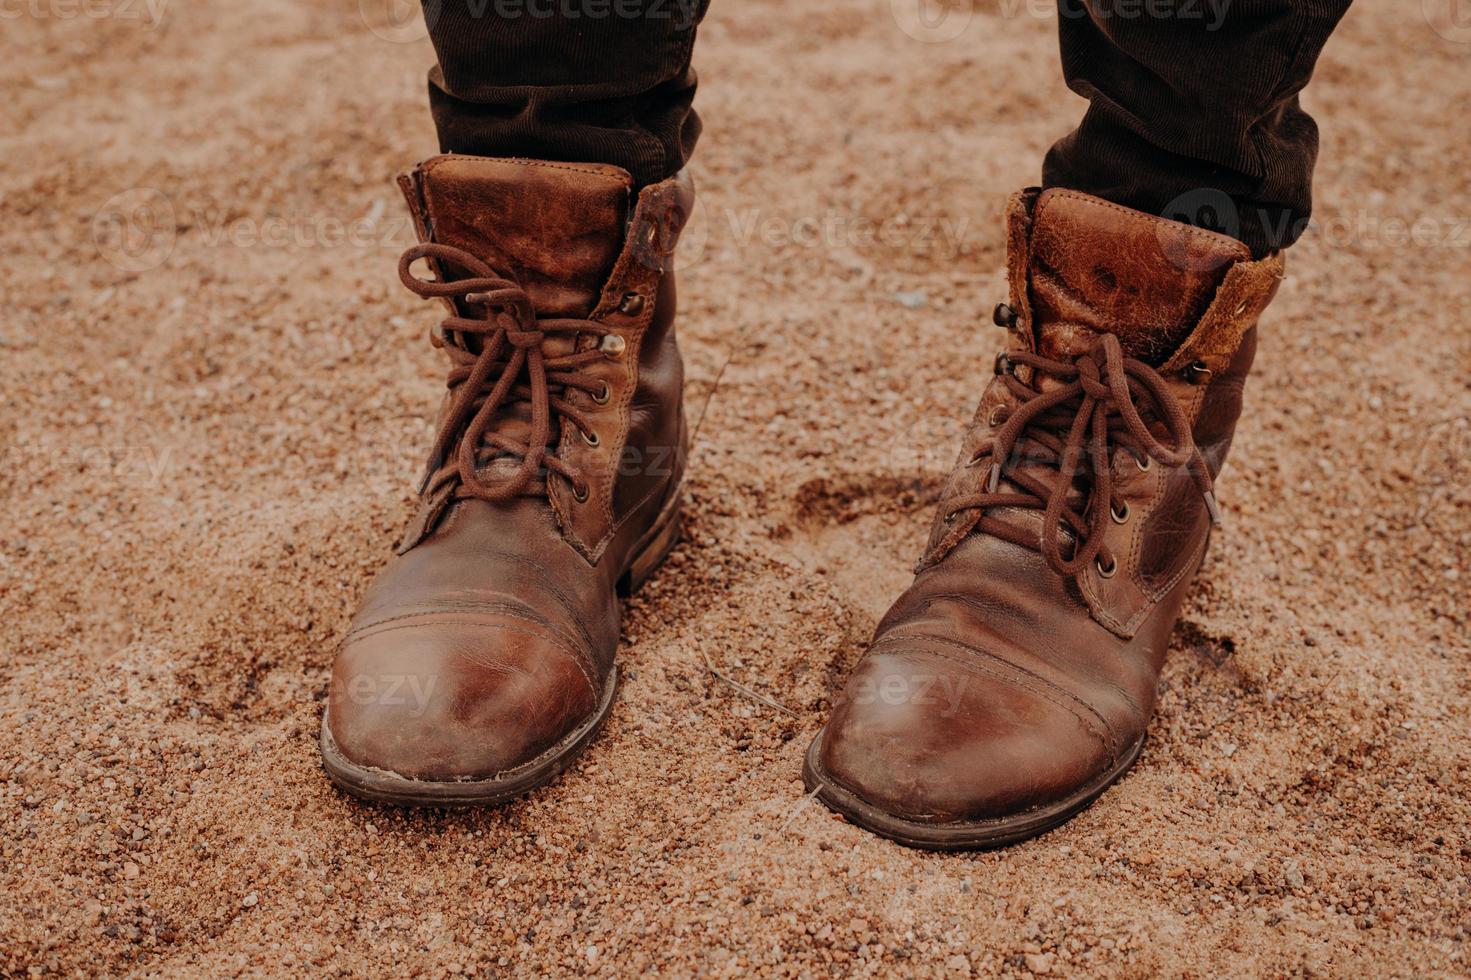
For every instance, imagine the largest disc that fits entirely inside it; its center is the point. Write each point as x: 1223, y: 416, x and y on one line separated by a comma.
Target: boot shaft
x: 581, y: 244
x: 1182, y: 304
x: 1182, y: 299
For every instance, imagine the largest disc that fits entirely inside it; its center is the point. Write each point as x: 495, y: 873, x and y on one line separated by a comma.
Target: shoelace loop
x: 512, y: 366
x: 1075, y: 427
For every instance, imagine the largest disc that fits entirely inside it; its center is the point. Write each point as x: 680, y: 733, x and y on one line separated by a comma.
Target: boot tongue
x: 1097, y: 267
x: 555, y: 228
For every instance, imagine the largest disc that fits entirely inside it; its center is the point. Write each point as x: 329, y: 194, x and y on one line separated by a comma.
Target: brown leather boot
x: 1014, y: 680
x: 481, y: 661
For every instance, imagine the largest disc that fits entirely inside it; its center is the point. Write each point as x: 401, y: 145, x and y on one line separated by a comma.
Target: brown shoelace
x: 511, y: 367
x: 1075, y: 427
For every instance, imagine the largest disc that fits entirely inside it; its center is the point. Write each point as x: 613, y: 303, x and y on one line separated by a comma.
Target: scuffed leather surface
x: 500, y: 638
x: 654, y: 444
x: 1215, y: 420
x: 1013, y: 696
x: 1096, y: 267
x: 645, y: 415
x: 545, y: 224
x: 1035, y: 685
x: 492, y: 636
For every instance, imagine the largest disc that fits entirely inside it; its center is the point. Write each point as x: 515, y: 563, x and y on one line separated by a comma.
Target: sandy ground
x: 216, y: 398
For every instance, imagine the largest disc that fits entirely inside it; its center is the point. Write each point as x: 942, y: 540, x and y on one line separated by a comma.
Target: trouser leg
x: 1194, y: 111
x: 593, y: 81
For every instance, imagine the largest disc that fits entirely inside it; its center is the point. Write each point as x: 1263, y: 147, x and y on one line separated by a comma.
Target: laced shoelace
x: 1075, y: 427
x: 511, y: 367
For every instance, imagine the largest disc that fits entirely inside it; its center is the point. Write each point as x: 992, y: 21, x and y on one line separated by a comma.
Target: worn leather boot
x: 1014, y: 680
x: 482, y: 659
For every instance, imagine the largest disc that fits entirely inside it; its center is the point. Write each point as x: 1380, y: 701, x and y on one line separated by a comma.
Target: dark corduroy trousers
x: 1193, y: 104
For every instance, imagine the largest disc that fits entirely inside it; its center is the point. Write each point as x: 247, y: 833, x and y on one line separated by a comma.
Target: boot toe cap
x: 451, y: 697
x: 924, y: 738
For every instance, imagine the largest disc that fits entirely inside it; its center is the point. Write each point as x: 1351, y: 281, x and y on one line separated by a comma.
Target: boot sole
x: 386, y: 786
x: 975, y: 835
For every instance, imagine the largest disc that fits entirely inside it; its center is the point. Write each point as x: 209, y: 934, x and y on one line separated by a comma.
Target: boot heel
x: 661, y: 540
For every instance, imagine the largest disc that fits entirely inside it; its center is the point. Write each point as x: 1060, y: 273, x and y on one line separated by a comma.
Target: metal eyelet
x: 602, y: 397
x: 579, y: 493
x: 591, y: 438
x: 1003, y: 364
x: 631, y: 305
x: 997, y: 416
x: 436, y: 336
x: 1121, y: 515
x: 1144, y: 463
x: 1004, y: 316
x: 1113, y: 566
x: 612, y: 345
x: 1197, y: 372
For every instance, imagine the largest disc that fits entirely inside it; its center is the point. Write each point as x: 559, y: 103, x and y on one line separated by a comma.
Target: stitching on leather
x: 627, y: 273
x: 496, y: 607
x: 431, y: 198
x: 609, y: 477
x: 565, y: 599
x: 1246, y: 280
x: 1132, y: 626
x: 1188, y: 568
x: 574, y: 655
x: 1106, y: 737
x: 1136, y: 535
x: 1136, y: 547
x: 444, y: 609
x: 469, y: 607
x: 1140, y: 714
x: 631, y: 355
x: 1138, y: 217
x: 436, y: 162
x: 953, y: 485
x: 1111, y: 741
x: 653, y: 493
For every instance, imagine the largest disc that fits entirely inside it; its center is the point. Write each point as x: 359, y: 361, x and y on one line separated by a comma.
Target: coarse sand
x: 217, y: 398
